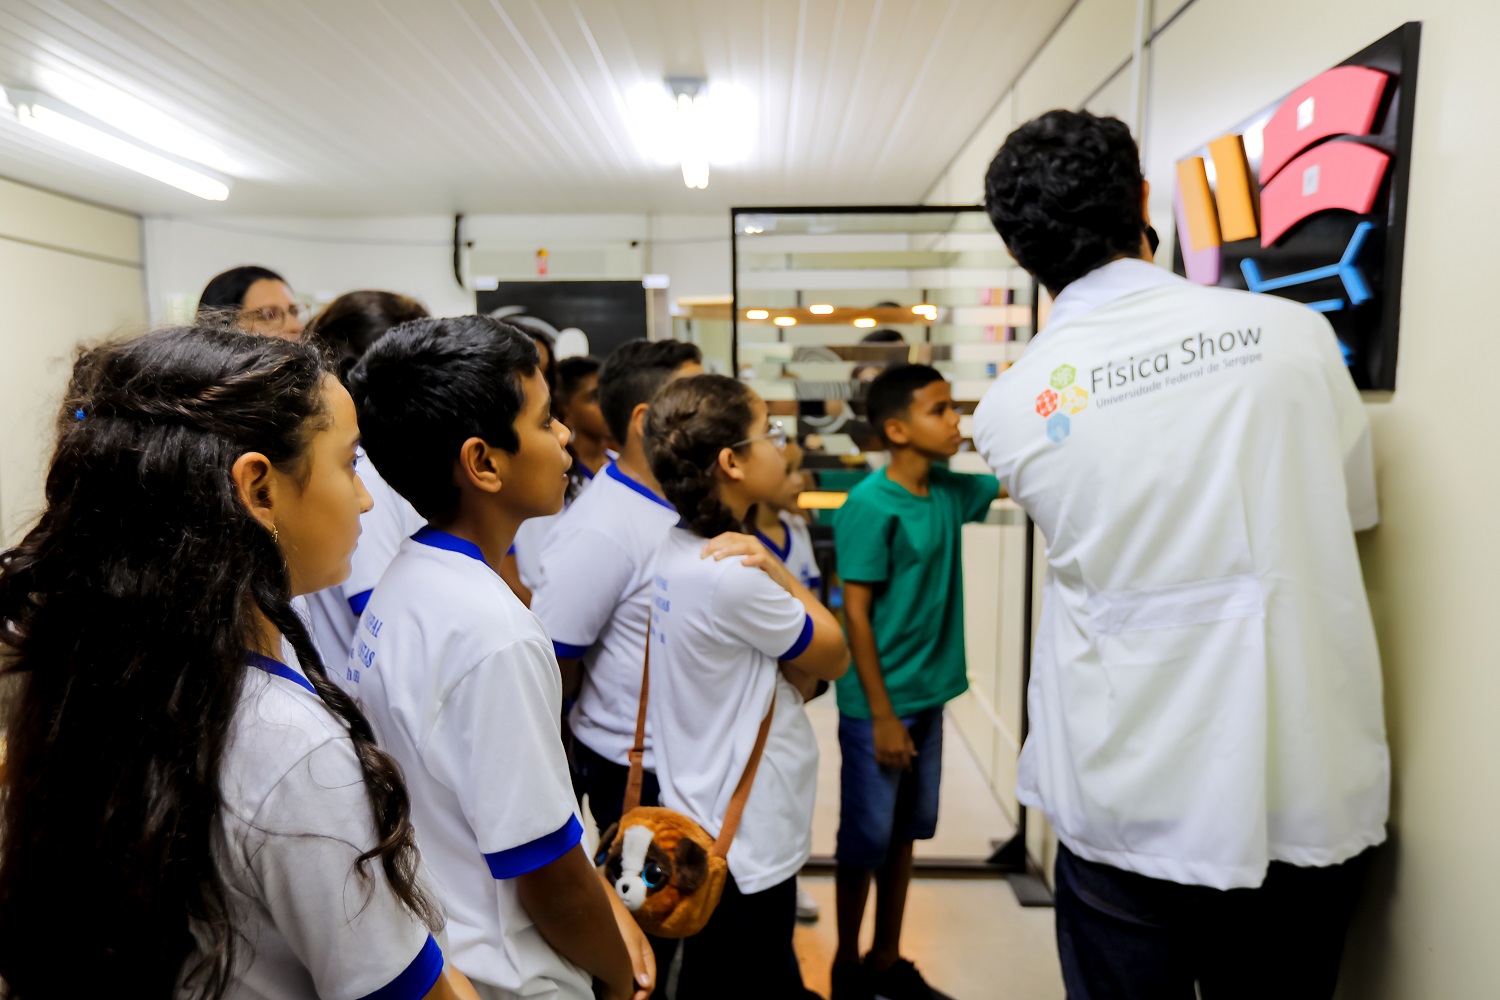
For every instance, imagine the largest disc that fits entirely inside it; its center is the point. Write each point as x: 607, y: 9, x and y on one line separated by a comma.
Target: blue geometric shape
x: 1348, y: 353
x: 1345, y: 270
x: 1326, y: 305
x: 1058, y: 427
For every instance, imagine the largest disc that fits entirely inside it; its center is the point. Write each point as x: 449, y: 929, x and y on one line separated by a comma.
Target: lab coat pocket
x: 1184, y: 744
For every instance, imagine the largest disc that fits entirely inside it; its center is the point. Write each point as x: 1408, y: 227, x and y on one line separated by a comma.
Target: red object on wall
x: 1336, y: 175
x: 1342, y: 101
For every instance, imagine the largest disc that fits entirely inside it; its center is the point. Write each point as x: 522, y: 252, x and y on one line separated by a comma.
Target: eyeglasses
x: 776, y: 435
x: 276, y: 314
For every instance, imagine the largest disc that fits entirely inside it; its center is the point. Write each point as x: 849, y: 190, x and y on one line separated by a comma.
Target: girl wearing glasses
x: 734, y: 635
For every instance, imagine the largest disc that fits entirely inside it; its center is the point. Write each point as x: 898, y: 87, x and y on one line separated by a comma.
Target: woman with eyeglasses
x: 256, y: 299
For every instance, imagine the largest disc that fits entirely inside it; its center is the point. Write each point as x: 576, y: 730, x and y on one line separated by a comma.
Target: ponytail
x: 689, y: 424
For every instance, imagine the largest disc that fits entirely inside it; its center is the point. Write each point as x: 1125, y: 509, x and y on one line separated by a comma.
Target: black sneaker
x: 901, y: 981
x: 849, y: 981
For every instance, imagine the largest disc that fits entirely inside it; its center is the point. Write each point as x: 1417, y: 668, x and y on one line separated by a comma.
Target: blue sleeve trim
x: 540, y: 853
x: 417, y: 979
x: 358, y: 601
x: 813, y: 583
x: 512, y: 550
x: 803, y: 641
x: 566, y: 651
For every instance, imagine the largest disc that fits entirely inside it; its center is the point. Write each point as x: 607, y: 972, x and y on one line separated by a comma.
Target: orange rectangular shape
x: 1198, y: 203
x: 1232, y: 189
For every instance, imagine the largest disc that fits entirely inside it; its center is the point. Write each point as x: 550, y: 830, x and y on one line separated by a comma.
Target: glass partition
x: 823, y: 300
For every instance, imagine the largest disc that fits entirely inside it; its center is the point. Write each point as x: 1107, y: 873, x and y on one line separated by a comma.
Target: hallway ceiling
x: 396, y: 107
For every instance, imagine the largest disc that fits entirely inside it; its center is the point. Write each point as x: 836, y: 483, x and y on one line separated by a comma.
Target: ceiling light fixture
x: 786, y: 321
x: 67, y: 125
x: 926, y: 311
x: 136, y: 119
x: 683, y: 120
x: 820, y: 310
x: 864, y: 322
x: 757, y: 314
x: 692, y: 128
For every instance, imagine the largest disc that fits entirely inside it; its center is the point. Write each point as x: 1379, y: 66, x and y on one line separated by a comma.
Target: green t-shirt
x: 908, y: 547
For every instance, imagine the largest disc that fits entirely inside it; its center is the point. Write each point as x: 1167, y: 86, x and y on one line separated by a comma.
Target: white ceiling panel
x: 393, y: 107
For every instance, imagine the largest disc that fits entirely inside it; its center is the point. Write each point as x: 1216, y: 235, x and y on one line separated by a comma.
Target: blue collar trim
x: 781, y: 553
x: 277, y: 669
x: 450, y: 543
x: 613, y: 471
x: 587, y: 472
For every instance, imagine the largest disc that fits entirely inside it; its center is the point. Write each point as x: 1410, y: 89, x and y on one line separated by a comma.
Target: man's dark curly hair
x: 1064, y: 193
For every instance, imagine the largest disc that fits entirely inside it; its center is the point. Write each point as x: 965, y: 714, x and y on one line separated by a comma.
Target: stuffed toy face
x: 654, y: 860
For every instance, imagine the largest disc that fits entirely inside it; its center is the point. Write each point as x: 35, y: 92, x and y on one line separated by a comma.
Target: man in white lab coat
x: 1207, y: 732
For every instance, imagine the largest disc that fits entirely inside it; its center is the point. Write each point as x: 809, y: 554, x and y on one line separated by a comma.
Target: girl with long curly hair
x: 191, y: 807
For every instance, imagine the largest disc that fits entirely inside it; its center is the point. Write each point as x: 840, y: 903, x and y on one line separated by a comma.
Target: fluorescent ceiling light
x: 864, y: 322
x: 55, y: 122
x: 820, y: 310
x: 137, y: 120
x: 786, y: 321
x: 687, y: 123
x: 757, y: 314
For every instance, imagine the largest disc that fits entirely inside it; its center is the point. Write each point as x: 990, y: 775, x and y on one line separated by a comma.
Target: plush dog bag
x: 666, y: 869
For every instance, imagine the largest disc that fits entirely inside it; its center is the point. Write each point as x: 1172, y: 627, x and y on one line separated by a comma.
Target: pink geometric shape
x: 1202, y: 266
x: 1336, y: 175
x: 1342, y: 101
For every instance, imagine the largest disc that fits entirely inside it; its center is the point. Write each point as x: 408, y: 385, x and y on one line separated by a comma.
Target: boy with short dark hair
x: 458, y: 678
x: 596, y: 595
x: 898, y: 540
x: 578, y: 406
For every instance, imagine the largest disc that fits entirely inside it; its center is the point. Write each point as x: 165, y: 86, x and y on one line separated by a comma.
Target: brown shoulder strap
x: 742, y: 790
x: 638, y: 757
x: 638, y: 750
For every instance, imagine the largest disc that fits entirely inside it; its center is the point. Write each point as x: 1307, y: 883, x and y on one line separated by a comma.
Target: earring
x: 275, y: 534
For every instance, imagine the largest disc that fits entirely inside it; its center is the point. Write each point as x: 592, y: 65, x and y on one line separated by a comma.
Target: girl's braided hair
x: 689, y: 424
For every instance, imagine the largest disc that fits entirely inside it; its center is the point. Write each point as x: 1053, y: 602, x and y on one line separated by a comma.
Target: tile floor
x: 970, y: 937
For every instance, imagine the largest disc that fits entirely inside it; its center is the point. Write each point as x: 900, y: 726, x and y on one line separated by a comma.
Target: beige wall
x: 69, y: 272
x: 325, y: 257
x: 1424, y: 929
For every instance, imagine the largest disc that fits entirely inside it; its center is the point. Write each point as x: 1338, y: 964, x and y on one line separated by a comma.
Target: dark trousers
x: 1124, y: 936
x: 603, y: 781
x: 746, y: 949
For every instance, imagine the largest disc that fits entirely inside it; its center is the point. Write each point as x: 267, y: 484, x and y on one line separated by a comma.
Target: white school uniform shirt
x: 389, y: 521
x: 459, y: 681
x: 1206, y: 692
x: 718, y: 631
x: 595, y: 603
x: 531, y: 538
x: 296, y: 815
x: 534, y: 534
x: 797, y: 554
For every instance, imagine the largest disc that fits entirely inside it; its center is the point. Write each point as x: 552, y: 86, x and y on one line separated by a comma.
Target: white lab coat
x: 1206, y: 691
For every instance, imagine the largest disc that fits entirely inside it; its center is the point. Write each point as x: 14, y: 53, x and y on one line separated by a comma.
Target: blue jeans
x: 880, y: 806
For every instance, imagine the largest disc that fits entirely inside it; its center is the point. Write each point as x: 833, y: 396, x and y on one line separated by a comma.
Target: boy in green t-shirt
x: 898, y: 540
